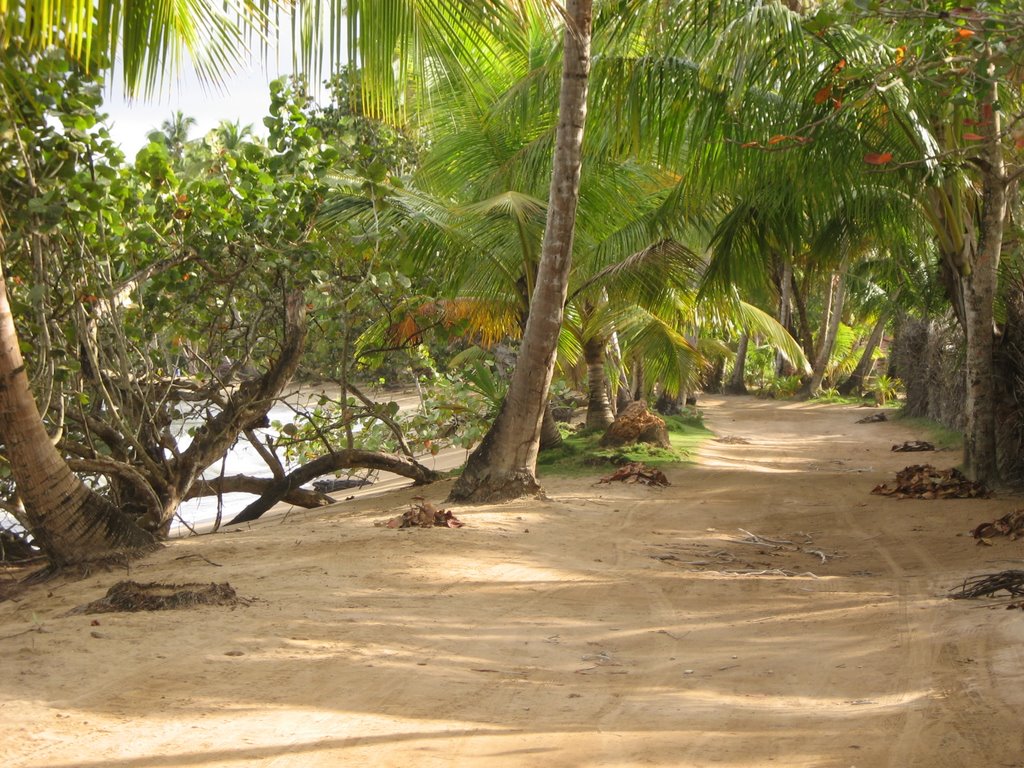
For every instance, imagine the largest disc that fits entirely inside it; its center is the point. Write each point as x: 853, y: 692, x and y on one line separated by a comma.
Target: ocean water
x: 242, y: 459
x: 200, y: 514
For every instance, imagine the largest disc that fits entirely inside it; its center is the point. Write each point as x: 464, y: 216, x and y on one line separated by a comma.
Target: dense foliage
x: 766, y: 193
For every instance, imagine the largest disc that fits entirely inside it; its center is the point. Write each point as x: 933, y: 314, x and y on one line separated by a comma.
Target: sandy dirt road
x: 611, y: 625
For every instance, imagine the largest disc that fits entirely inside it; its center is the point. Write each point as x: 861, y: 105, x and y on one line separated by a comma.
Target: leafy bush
x: 885, y: 388
x: 783, y: 387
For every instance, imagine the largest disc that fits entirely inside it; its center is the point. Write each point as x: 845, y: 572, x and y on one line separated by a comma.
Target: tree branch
x: 332, y: 462
x: 259, y: 486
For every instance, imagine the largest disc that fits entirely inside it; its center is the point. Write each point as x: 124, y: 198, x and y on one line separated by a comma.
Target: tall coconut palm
x: 504, y: 465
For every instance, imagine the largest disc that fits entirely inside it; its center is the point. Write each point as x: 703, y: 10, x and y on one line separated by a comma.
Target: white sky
x: 244, y: 96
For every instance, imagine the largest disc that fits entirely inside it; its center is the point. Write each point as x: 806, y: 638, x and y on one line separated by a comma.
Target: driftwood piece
x: 344, y: 459
x: 340, y: 484
x: 874, y: 417
x: 732, y: 440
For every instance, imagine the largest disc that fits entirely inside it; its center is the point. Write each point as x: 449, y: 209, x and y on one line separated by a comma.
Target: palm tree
x: 875, y: 91
x: 231, y: 133
x: 175, y: 132
x: 505, y: 463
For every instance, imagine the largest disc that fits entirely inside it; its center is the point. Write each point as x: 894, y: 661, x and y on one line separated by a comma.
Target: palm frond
x: 757, y: 320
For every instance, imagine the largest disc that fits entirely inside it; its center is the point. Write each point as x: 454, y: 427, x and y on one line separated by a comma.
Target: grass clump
x: 831, y: 396
x: 579, y: 454
x: 939, y: 435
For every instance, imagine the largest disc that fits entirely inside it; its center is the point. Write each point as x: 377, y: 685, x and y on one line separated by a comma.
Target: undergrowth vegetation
x: 942, y: 437
x: 580, y: 454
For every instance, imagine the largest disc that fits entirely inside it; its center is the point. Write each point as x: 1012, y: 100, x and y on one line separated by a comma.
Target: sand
x: 611, y: 625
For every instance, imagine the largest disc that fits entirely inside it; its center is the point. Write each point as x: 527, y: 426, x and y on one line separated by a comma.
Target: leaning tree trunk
x: 504, y: 465
x: 247, y: 405
x: 737, y: 383
x: 68, y: 521
x: 599, y: 408
x: 837, y: 294
x: 277, y: 489
x: 855, y: 384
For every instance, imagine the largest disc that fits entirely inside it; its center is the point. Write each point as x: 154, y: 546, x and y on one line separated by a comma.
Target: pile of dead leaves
x: 923, y: 481
x: 1010, y: 525
x: 130, y: 596
x: 635, y: 472
x: 423, y: 515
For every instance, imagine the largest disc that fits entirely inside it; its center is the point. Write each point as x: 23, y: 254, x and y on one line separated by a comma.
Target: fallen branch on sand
x: 1010, y: 525
x: 913, y: 445
x: 130, y: 596
x: 785, y: 544
x: 874, y: 417
x: 989, y: 584
x: 771, y: 572
x: 732, y: 440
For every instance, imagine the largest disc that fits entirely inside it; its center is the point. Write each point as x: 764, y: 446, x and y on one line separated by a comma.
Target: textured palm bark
x: 782, y: 365
x: 550, y: 434
x: 69, y: 522
x: 599, y: 408
x: 979, y: 285
x: 504, y: 465
x: 737, y: 383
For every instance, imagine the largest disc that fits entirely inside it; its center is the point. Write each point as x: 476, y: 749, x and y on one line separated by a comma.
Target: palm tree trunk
x: 785, y: 312
x: 618, y: 397
x: 855, y: 384
x: 980, y: 459
x: 504, y: 465
x: 599, y: 409
x: 550, y: 435
x: 804, y: 326
x: 737, y: 384
x: 69, y: 522
x: 837, y: 294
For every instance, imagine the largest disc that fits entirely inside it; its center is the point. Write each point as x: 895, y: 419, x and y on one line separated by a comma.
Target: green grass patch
x: 939, y: 435
x: 834, y: 398
x: 580, y: 454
